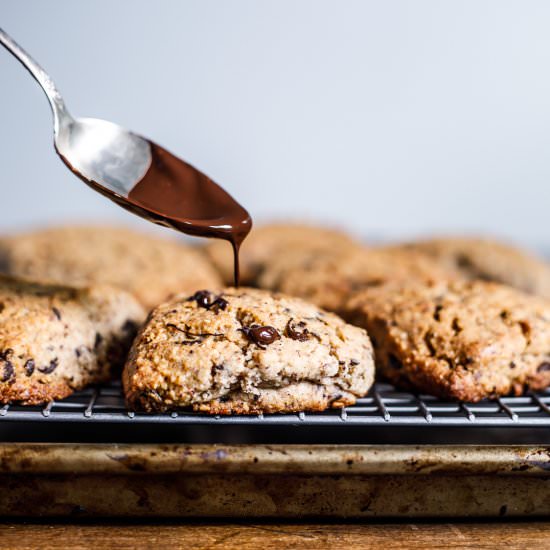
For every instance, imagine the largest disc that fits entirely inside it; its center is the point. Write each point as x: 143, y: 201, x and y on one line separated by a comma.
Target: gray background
x: 392, y: 118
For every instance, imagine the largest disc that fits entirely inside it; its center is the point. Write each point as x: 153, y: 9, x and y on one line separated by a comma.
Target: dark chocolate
x: 261, y: 335
x: 298, y: 331
x: 49, y: 368
x: 175, y: 194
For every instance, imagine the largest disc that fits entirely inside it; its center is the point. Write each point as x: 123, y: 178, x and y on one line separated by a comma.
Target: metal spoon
x: 101, y: 153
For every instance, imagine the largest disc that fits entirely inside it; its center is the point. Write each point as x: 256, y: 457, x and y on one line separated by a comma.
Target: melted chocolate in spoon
x: 112, y: 160
x: 175, y: 194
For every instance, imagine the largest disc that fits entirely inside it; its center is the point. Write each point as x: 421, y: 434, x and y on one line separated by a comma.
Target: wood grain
x: 520, y: 535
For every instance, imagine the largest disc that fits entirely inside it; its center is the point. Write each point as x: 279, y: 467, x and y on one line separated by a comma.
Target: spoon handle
x: 61, y: 115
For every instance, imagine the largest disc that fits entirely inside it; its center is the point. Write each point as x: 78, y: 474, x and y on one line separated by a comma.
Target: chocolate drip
x: 173, y: 193
x: 178, y: 194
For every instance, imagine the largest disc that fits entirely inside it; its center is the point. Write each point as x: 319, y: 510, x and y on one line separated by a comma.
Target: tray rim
x: 280, y: 459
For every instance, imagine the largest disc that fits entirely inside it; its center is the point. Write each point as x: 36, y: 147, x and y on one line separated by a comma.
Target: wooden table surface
x: 175, y: 535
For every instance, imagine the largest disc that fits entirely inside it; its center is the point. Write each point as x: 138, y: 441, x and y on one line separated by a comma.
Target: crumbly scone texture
x: 213, y: 359
x: 464, y: 340
x: 57, y: 339
x: 149, y: 267
x: 328, y: 279
x: 271, y: 240
x: 489, y: 260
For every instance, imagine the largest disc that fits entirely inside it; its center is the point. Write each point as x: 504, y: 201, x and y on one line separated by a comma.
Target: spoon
x: 136, y: 173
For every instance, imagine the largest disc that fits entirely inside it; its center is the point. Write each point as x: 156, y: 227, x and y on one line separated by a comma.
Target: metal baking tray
x: 386, y: 415
x: 280, y: 481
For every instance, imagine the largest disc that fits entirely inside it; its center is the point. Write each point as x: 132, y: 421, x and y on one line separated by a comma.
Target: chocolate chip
x: 50, y: 368
x: 504, y: 314
x: 463, y: 261
x: 204, y: 298
x: 300, y: 335
x: 129, y: 326
x: 219, y: 303
x: 543, y: 367
x: 437, y: 312
x: 525, y: 328
x: 98, y: 340
x: 455, y: 325
x: 8, y: 371
x: 428, y: 337
x: 215, y: 369
x: 354, y: 362
x: 29, y: 366
x: 208, y: 300
x: 5, y: 354
x: 261, y: 335
x: 394, y: 362
x: 57, y: 313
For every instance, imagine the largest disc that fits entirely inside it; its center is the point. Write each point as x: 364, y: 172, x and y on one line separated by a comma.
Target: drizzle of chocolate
x: 261, y: 335
x: 194, y: 337
x: 172, y: 193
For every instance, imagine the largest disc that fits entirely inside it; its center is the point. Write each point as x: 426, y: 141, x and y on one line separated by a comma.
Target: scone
x: 246, y: 351
x: 463, y: 340
x: 328, y: 280
x: 149, y: 267
x: 267, y: 241
x: 57, y: 339
x: 488, y: 260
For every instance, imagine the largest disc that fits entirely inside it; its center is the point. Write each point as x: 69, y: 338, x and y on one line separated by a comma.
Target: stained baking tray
x: 283, y: 481
x: 386, y: 415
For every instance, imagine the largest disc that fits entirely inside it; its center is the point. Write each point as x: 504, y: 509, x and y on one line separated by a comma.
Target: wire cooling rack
x: 384, y: 405
x: 386, y: 414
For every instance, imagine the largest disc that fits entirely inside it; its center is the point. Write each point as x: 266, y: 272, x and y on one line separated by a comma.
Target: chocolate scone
x: 463, y: 340
x: 246, y: 351
x: 268, y: 241
x: 58, y: 339
x: 489, y: 260
x: 329, y: 279
x: 149, y: 267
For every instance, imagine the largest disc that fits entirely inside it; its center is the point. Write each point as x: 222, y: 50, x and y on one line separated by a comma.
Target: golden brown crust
x: 489, y: 260
x: 328, y: 279
x: 211, y: 358
x: 461, y: 340
x: 149, y: 267
x: 57, y: 339
x: 282, y: 400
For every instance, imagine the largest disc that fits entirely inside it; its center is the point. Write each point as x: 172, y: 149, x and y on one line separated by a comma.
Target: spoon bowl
x: 102, y: 152
x: 137, y: 174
